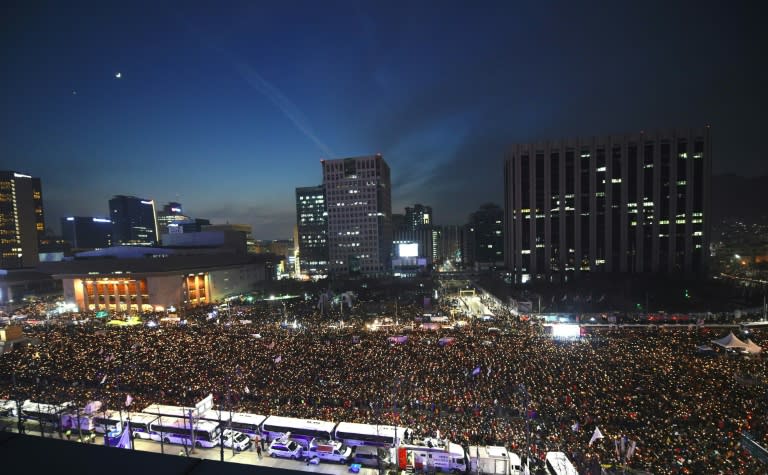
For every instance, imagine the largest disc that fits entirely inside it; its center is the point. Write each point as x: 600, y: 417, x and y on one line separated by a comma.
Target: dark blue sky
x: 227, y: 107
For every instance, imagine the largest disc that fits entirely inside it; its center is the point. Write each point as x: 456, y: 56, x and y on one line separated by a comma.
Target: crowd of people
x: 517, y: 388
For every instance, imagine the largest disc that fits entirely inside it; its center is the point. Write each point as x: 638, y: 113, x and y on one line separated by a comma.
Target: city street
x: 247, y: 457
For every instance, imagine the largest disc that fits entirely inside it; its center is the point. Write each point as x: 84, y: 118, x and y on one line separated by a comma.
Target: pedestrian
x: 258, y: 451
x: 68, y: 433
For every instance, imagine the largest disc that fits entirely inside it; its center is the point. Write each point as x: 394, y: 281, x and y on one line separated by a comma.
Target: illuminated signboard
x: 410, y: 249
x: 566, y: 331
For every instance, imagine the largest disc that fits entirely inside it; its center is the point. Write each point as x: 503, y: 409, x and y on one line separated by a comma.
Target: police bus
x: 107, y: 421
x: 240, y: 421
x: 45, y: 413
x: 139, y: 424
x: 180, y: 431
x: 275, y: 426
x: 354, y: 434
x: 169, y: 411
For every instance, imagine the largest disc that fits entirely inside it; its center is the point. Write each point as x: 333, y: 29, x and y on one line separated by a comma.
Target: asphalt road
x: 247, y: 457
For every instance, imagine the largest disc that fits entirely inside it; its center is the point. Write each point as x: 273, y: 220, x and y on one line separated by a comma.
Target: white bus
x: 69, y: 420
x: 179, y: 431
x: 242, y: 422
x: 45, y: 413
x: 170, y: 411
x: 557, y: 463
x: 107, y: 421
x: 8, y: 408
x: 139, y: 424
x: 354, y: 434
x: 275, y: 426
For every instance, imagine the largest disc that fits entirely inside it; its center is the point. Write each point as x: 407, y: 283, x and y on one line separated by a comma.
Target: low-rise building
x: 154, y: 279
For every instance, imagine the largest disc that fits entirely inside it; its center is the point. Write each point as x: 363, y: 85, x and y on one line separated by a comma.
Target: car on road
x: 238, y: 440
x: 371, y: 456
x: 328, y: 450
x: 285, y: 447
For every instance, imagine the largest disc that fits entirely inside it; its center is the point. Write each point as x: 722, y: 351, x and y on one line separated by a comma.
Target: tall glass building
x: 633, y: 203
x: 359, y: 197
x: 312, y: 231
x: 87, y: 232
x: 134, y: 221
x: 22, y: 222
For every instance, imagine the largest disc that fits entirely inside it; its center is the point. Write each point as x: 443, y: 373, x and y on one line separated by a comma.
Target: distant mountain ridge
x: 739, y: 197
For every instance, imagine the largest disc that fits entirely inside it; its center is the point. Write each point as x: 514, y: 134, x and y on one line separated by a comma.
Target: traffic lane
x: 10, y: 424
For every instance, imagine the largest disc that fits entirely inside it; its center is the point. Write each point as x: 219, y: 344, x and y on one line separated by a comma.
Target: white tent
x: 730, y: 341
x: 752, y: 347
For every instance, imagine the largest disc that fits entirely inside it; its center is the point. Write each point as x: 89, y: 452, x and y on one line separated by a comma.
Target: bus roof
x: 140, y: 417
x: 242, y: 417
x: 370, y: 429
x: 184, y: 424
x: 39, y: 407
x: 292, y: 422
x: 171, y: 411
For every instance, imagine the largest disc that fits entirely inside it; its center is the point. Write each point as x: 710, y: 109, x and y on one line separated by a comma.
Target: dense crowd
x: 516, y: 388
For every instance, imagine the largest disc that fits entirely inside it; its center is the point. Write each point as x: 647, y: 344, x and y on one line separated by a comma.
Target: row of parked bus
x: 370, y: 444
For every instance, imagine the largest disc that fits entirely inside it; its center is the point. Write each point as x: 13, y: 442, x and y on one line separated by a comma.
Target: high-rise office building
x: 483, y: 237
x: 633, y: 203
x: 450, y: 244
x: 359, y: 197
x: 170, y: 219
x: 87, y: 232
x: 415, y: 227
x: 312, y: 224
x: 22, y: 222
x: 134, y: 221
x: 418, y: 216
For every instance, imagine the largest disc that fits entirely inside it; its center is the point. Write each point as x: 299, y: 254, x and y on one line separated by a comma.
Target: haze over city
x: 228, y: 108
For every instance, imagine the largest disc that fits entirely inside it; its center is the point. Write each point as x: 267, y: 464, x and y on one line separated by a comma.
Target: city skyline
x: 228, y: 109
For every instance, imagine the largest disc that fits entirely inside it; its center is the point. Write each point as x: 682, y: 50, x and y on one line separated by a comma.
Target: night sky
x: 229, y: 106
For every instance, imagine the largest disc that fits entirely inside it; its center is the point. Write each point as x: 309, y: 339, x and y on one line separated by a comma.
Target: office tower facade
x: 22, y: 223
x: 450, y: 244
x: 134, y: 221
x: 312, y: 231
x: 359, y: 202
x: 170, y: 219
x: 418, y: 227
x: 87, y: 232
x: 483, y: 237
x: 633, y: 203
x: 418, y: 216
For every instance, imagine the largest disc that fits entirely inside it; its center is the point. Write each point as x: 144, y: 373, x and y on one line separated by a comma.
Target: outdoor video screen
x: 566, y: 331
x: 410, y: 249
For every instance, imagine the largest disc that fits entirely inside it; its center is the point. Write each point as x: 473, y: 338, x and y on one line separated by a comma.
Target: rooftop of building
x: 136, y: 259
